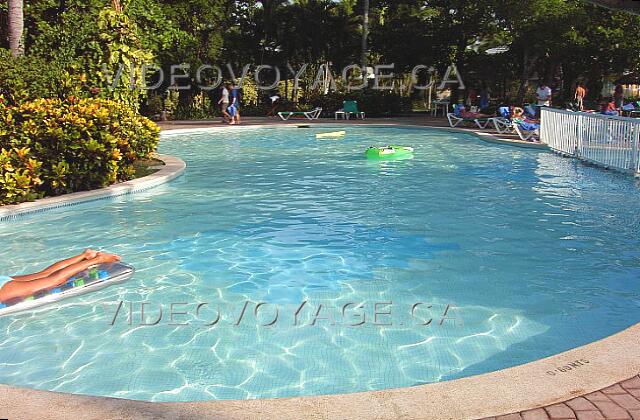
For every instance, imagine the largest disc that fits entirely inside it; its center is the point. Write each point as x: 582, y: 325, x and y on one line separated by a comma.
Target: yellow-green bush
x: 53, y: 146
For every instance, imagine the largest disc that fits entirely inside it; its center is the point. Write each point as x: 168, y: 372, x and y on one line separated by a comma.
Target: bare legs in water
x: 54, y: 275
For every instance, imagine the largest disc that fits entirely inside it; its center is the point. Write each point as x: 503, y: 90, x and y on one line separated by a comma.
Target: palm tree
x: 117, y: 5
x: 16, y: 27
x: 365, y: 33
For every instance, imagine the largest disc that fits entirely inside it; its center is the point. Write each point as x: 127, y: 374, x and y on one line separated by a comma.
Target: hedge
x: 375, y: 103
x: 53, y: 146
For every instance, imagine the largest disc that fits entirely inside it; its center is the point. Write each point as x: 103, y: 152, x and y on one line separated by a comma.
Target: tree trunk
x: 456, y: 93
x: 185, y: 99
x: 568, y: 93
x: 365, y: 33
x: 117, y: 6
x: 528, y: 63
x: 16, y: 27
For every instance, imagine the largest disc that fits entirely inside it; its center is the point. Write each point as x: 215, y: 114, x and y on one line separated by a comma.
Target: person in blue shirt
x: 484, y: 96
x: 235, y: 103
x: 232, y: 109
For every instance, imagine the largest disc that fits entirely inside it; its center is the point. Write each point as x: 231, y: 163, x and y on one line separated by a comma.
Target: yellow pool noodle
x: 331, y: 134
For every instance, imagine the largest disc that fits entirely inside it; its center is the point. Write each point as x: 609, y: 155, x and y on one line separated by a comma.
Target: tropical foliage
x: 30, y: 77
x: 54, y: 146
x: 559, y: 40
x: 69, y: 119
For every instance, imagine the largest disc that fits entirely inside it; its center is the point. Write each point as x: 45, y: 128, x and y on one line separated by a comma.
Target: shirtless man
x: 581, y: 92
x: 16, y: 287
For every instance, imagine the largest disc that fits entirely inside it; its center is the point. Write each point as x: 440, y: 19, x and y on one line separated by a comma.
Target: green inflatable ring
x: 389, y: 152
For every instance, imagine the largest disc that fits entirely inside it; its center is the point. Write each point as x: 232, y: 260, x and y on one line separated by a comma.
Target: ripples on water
x: 532, y: 254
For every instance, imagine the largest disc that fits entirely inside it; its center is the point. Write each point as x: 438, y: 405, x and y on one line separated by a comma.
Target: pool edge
x: 531, y: 385
x: 172, y: 168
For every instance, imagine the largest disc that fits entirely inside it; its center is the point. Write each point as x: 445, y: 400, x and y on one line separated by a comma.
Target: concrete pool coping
x: 535, y: 384
x: 172, y: 168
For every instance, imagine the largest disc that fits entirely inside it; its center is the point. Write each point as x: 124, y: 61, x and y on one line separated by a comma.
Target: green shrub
x: 19, y: 176
x: 27, y: 78
x: 255, y: 110
x: 54, y: 146
x: 194, y: 112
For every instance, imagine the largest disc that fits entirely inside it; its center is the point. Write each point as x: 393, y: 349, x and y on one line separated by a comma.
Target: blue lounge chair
x: 527, y: 131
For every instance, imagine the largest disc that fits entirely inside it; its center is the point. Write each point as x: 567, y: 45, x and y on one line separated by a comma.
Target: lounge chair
x: 314, y: 114
x: 527, y: 131
x: 348, y: 108
x: 530, y: 111
x: 634, y: 111
x: 503, y: 123
x: 456, y: 117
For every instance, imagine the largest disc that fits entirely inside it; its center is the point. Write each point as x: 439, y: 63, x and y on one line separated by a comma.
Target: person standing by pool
x: 544, y: 95
x: 275, y: 103
x: 224, y: 104
x: 581, y: 92
x: 235, y: 101
x: 485, y: 95
x: 618, y: 96
x: 472, y: 96
x: 23, y: 286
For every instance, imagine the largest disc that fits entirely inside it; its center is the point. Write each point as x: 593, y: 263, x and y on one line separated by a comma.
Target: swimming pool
x: 366, y: 275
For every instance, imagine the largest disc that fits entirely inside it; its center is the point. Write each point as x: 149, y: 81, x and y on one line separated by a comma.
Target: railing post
x: 634, y: 149
x: 579, y: 134
x: 543, y: 127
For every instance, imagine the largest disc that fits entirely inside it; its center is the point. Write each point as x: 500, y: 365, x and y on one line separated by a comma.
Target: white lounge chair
x: 455, y: 118
x: 503, y: 123
x: 527, y: 131
x: 314, y: 114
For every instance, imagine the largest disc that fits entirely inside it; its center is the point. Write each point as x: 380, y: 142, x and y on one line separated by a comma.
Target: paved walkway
x: 617, y: 402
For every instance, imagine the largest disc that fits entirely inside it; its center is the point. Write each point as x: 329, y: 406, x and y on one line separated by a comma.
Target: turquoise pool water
x: 513, y: 254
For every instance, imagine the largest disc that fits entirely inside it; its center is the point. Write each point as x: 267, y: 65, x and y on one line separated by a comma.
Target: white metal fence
x: 612, y: 142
